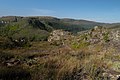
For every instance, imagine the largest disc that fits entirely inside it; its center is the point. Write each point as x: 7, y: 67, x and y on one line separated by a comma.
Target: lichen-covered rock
x: 96, y: 35
x: 112, y: 75
x: 115, y: 35
x: 58, y: 36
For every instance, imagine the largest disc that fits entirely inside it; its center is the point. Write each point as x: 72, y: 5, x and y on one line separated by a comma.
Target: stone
x: 58, y: 35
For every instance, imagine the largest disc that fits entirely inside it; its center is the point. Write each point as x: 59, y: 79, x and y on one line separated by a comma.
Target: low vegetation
x: 31, y: 49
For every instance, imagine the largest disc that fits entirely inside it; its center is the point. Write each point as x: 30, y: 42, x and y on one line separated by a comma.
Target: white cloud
x: 27, y: 12
x: 42, y: 12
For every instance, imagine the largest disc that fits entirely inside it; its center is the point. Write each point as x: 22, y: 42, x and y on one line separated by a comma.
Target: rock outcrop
x: 59, y: 36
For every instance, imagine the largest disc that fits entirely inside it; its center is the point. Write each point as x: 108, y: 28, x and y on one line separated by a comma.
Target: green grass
x: 79, y: 45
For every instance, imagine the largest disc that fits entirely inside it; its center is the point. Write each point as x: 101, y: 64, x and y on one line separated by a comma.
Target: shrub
x: 14, y: 43
x: 106, y: 37
x: 78, y: 45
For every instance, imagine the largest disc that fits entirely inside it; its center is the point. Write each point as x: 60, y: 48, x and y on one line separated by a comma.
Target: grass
x: 57, y: 66
x: 79, y: 45
x: 5, y: 56
x: 77, y: 59
x: 49, y: 62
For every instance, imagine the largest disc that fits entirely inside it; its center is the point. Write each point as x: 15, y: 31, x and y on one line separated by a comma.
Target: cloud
x: 27, y: 12
x: 42, y: 12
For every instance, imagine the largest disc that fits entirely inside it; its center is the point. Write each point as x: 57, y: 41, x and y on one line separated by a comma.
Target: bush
x: 13, y: 43
x: 78, y: 45
x: 105, y: 37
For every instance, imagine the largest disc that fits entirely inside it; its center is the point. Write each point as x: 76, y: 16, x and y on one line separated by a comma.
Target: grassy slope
x: 49, y: 62
x: 45, y: 61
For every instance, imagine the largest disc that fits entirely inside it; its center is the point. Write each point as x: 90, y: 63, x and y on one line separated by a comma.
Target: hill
x: 57, y: 23
x: 33, y: 26
x: 92, y: 54
x: 48, y: 48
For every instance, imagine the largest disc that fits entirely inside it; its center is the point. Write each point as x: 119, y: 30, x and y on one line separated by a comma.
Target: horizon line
x: 59, y: 18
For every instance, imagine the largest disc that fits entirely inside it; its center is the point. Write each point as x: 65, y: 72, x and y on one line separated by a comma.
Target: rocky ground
x: 88, y: 55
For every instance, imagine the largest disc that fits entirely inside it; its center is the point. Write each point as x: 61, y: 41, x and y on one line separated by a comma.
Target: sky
x: 107, y: 11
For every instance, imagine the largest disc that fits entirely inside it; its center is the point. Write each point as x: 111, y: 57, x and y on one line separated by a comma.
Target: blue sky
x: 95, y: 10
